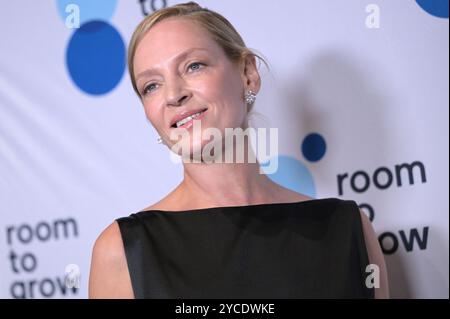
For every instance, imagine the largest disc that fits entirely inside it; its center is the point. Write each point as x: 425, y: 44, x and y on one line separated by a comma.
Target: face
x: 180, y: 69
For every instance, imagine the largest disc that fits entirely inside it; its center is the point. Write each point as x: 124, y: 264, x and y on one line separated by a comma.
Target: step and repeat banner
x: 357, y: 89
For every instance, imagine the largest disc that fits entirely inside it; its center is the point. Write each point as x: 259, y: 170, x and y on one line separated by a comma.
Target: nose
x: 176, y: 93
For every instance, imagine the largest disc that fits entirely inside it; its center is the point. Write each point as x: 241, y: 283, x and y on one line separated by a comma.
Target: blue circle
x: 95, y: 57
x: 437, y: 8
x: 313, y: 147
x: 292, y: 174
x: 89, y: 9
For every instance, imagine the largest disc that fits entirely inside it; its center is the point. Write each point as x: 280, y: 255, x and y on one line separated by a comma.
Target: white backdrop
x: 358, y: 90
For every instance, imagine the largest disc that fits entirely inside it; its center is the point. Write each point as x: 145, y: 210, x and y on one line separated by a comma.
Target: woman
x: 226, y: 231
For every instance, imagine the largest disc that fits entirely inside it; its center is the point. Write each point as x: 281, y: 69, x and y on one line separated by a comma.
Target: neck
x: 226, y: 184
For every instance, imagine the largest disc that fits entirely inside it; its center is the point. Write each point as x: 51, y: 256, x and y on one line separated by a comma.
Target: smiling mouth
x: 188, y: 119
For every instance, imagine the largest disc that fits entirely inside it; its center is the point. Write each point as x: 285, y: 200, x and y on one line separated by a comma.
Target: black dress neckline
x: 312, y: 248
x: 237, y: 207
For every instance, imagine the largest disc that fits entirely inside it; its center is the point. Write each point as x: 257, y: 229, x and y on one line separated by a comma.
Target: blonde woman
x: 226, y: 231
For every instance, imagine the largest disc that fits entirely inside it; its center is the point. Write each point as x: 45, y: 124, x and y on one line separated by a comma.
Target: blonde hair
x: 221, y: 30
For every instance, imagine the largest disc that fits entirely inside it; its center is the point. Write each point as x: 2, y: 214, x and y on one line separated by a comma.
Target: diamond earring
x: 159, y: 140
x: 250, y: 97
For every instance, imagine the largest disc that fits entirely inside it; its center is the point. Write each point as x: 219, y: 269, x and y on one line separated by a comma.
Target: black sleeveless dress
x: 307, y: 249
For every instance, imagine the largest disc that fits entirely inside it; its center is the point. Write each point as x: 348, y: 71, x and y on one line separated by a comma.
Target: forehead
x: 169, y: 38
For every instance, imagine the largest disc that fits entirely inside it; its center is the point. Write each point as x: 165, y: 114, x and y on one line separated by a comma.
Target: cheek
x: 224, y: 91
x: 152, y: 116
x: 229, y: 85
x: 232, y: 104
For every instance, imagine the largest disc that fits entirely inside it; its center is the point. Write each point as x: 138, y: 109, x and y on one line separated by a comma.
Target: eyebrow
x: 180, y: 56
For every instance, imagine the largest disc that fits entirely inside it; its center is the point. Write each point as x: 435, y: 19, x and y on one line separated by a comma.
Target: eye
x: 195, y: 66
x: 148, y: 88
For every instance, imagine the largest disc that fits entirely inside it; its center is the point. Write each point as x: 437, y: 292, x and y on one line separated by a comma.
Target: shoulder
x: 159, y: 206
x: 375, y: 255
x: 109, y: 276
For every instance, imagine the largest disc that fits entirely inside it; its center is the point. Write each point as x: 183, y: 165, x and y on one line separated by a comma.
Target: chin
x: 188, y: 148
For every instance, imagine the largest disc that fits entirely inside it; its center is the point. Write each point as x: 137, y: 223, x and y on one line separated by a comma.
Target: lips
x: 184, y: 115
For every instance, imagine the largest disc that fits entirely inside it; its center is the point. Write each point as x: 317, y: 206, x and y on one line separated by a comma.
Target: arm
x: 375, y: 255
x: 109, y: 276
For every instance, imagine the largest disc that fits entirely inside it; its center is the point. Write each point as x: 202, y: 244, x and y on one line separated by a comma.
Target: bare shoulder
x: 164, y: 204
x: 109, y: 276
x: 375, y: 255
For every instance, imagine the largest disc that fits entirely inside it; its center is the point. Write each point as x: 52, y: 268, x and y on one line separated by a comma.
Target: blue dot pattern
x: 89, y: 9
x: 293, y: 175
x: 95, y: 57
x: 313, y: 147
x: 437, y: 8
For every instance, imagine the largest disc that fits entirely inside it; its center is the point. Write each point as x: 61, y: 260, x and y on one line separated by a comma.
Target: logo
x: 437, y: 8
x: 95, y: 53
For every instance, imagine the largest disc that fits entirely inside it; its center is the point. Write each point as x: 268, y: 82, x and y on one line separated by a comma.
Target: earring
x: 250, y: 97
x: 159, y: 140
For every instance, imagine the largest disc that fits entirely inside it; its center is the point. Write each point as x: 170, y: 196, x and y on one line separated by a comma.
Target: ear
x: 249, y: 73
